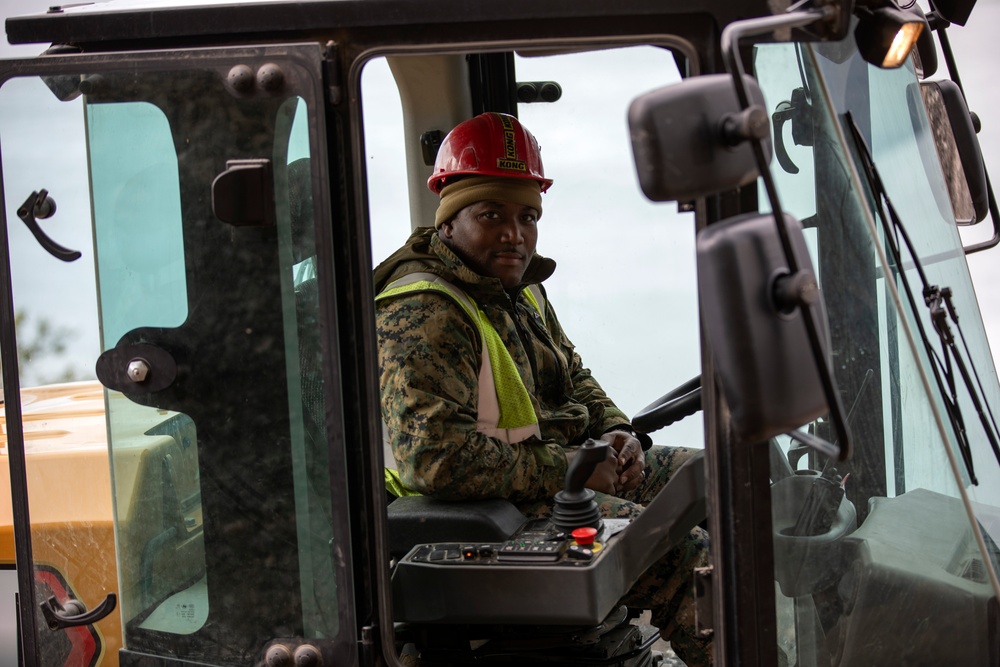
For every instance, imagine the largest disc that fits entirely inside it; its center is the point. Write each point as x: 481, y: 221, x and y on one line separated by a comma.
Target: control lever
x: 575, y: 506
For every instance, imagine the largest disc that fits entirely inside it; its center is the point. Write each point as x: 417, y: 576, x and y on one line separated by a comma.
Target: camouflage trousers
x: 666, y: 588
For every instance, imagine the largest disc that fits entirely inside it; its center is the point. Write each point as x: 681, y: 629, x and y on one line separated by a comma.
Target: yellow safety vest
x: 505, y: 411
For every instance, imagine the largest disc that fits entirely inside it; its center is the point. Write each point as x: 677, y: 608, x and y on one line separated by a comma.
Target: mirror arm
x: 994, y: 214
x: 819, y: 444
x: 731, y: 37
x: 949, y: 57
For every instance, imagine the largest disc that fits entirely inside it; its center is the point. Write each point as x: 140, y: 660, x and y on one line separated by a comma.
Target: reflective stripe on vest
x: 504, y: 411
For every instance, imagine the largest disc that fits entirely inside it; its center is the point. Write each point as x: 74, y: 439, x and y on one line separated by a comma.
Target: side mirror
x: 957, y: 147
x: 749, y: 307
x: 689, y: 139
x: 765, y: 322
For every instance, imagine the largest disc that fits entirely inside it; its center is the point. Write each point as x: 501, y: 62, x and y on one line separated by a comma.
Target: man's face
x: 494, y: 238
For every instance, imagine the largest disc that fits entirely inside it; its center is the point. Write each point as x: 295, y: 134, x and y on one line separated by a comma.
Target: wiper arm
x: 938, y: 300
x: 942, y: 310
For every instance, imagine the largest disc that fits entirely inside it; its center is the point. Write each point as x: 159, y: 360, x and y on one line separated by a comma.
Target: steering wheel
x: 672, y: 407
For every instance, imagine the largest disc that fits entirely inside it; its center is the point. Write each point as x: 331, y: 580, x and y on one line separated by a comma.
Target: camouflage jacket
x: 429, y: 358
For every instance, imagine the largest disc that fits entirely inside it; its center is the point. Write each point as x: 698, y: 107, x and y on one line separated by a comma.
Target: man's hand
x: 622, y: 470
x: 629, y: 459
x: 605, y: 475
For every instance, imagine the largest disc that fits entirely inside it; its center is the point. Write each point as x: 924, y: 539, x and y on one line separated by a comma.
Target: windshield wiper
x: 943, y: 315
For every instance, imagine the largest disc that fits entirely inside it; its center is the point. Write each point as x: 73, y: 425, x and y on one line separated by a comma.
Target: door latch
x: 40, y: 205
x: 74, y: 613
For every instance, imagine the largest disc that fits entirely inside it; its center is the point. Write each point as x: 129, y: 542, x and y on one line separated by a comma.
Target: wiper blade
x: 943, y: 313
x: 942, y: 310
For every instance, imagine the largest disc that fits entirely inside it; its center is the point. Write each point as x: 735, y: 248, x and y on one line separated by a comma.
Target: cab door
x: 181, y: 501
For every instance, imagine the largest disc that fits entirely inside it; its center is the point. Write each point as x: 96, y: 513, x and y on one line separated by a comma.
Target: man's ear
x: 445, y: 230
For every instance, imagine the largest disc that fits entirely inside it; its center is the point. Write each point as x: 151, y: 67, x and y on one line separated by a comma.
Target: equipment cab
x: 200, y: 193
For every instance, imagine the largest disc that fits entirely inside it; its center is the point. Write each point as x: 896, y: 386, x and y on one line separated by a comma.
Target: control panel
x: 541, y: 574
x: 538, y: 542
x: 546, y: 573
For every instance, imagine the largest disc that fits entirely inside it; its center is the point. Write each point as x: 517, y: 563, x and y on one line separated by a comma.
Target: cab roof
x: 136, y: 23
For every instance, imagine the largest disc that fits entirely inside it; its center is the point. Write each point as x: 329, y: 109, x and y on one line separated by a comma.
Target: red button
x: 584, y: 536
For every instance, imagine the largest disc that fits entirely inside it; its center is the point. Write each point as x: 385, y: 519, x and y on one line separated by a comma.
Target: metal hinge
x: 704, y: 618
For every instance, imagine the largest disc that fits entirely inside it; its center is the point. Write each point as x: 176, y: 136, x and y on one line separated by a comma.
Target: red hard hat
x: 491, y: 144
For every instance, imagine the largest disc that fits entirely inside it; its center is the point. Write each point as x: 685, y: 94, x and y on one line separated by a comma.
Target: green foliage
x: 38, y: 341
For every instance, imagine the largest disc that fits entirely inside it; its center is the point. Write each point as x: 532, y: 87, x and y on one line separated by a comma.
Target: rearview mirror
x: 758, y: 337
x: 689, y: 139
x: 954, y: 136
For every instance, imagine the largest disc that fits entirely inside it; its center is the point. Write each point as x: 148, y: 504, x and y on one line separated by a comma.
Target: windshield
x: 902, y: 538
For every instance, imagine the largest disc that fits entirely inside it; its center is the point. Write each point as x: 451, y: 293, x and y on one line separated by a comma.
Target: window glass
x: 196, y: 484
x: 888, y: 529
x: 304, y: 365
x: 901, y: 138
x: 42, y: 146
x: 137, y: 194
x: 142, y: 282
x: 385, y: 161
x: 240, y: 320
x: 625, y: 265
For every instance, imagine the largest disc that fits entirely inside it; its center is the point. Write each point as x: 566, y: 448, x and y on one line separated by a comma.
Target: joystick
x: 575, y: 506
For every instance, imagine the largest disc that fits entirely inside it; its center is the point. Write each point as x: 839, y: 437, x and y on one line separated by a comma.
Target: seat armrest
x: 420, y: 519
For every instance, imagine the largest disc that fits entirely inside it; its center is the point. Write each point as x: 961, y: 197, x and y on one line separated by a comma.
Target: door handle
x: 41, y: 205
x: 74, y: 613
